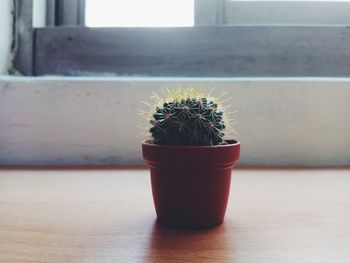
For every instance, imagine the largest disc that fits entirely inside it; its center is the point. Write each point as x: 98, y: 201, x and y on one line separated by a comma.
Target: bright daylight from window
x: 139, y: 13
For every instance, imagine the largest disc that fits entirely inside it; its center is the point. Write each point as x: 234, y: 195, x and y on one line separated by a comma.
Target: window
x: 139, y: 13
x: 193, y: 38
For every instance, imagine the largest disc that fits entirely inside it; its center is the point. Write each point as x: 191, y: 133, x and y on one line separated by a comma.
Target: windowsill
x: 94, y: 120
x: 108, y: 216
x: 151, y: 78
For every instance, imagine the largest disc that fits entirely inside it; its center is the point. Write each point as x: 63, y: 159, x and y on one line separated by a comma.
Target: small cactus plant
x: 187, y: 117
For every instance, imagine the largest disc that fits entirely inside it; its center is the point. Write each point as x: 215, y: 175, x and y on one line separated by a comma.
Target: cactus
x: 187, y: 117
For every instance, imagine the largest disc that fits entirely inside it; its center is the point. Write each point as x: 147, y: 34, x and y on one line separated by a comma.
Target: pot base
x: 178, y: 225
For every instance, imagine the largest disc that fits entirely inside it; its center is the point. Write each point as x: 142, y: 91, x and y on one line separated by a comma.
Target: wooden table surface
x: 108, y: 216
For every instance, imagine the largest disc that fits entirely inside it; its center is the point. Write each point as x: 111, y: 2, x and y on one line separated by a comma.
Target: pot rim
x: 231, y: 143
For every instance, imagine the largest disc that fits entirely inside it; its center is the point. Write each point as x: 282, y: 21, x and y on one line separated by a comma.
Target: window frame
x: 272, y: 12
x: 65, y: 12
x: 307, y: 51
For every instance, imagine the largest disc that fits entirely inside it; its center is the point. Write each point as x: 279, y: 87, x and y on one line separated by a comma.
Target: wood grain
x: 108, y: 216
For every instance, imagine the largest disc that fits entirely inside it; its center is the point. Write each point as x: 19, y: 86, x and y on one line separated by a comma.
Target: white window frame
x: 272, y: 13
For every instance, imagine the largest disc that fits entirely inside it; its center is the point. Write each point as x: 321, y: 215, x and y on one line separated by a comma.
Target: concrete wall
x: 82, y: 121
x: 6, y: 7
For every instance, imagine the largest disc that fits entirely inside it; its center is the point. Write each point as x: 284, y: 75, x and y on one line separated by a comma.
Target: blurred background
x: 73, y: 74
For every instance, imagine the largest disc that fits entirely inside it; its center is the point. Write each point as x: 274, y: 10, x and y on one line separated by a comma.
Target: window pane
x: 139, y: 13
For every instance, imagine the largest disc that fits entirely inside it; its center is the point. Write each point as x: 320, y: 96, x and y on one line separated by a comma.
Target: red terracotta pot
x: 191, y: 184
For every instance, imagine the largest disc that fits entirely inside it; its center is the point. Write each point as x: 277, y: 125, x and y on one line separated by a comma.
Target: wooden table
x: 107, y: 216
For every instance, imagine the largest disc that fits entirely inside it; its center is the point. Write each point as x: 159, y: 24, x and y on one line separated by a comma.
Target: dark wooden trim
x: 65, y: 12
x: 50, y: 12
x: 81, y: 13
x: 70, y: 12
x: 194, y: 51
x: 22, y: 46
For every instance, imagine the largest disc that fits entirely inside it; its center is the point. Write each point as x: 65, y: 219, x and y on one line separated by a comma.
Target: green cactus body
x: 191, y: 121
